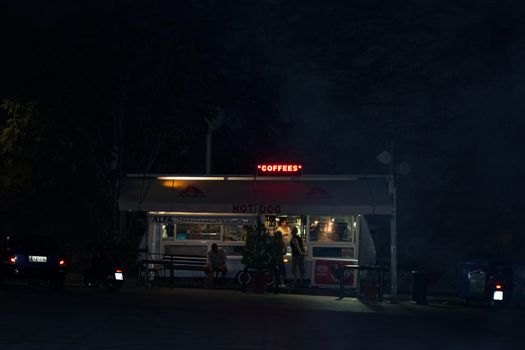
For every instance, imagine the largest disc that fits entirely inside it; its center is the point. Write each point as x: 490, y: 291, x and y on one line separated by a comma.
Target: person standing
x: 284, y: 229
x: 298, y: 253
x: 278, y: 252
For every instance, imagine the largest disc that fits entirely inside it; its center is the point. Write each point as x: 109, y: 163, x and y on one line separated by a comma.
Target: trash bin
x: 419, y: 287
x: 473, y: 280
x: 477, y: 280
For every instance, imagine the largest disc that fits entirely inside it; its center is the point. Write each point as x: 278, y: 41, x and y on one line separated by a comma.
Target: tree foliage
x: 262, y: 251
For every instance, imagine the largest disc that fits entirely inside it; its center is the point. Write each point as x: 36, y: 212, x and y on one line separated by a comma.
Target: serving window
x: 236, y: 233
x: 272, y: 223
x: 203, y: 228
x: 328, y: 229
x: 210, y: 232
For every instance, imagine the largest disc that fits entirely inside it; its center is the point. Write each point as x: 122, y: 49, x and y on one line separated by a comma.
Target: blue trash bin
x: 419, y: 287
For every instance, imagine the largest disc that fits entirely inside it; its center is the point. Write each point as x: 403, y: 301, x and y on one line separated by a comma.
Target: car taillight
x: 499, y: 286
x: 12, y: 260
x: 61, y: 262
x: 118, y: 271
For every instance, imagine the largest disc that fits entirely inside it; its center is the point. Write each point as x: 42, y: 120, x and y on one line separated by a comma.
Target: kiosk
x: 186, y: 214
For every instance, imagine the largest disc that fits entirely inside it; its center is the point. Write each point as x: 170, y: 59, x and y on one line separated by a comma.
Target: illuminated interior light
x: 189, y: 213
x: 61, y: 262
x: 196, y: 178
x: 499, y: 286
x: 12, y: 260
x: 174, y: 183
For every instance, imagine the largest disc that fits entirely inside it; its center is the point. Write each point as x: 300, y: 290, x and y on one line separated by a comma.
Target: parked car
x: 32, y: 258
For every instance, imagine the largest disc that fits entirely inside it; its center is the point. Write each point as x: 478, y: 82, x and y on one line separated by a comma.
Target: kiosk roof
x: 237, y: 194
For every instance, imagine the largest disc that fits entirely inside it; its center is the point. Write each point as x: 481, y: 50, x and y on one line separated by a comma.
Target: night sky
x: 328, y: 84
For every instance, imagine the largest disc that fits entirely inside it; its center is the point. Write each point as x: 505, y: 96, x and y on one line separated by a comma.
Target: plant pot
x: 258, y: 282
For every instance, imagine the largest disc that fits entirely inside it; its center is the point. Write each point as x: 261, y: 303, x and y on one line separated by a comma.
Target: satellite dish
x: 216, y: 120
x: 384, y: 158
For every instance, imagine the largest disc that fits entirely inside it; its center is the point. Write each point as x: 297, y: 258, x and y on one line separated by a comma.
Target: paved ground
x: 182, y: 318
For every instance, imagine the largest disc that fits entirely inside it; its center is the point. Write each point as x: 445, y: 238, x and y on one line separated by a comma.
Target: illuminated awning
x: 315, y: 195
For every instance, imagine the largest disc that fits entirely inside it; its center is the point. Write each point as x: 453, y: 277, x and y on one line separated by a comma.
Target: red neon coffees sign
x: 279, y: 169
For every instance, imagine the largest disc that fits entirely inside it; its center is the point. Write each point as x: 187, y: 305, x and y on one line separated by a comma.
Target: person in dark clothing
x: 298, y: 253
x: 280, y: 251
x: 216, y: 262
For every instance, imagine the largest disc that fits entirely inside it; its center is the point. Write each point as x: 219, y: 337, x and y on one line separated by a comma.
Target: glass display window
x: 202, y: 227
x: 333, y: 229
x: 236, y: 233
x: 196, y: 231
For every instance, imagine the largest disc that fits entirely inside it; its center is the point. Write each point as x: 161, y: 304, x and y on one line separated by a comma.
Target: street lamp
x: 213, y: 124
x: 387, y: 158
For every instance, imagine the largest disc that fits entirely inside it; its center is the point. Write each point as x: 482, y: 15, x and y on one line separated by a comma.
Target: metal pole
x: 115, y: 168
x: 393, y: 241
x: 393, y: 227
x: 208, y: 153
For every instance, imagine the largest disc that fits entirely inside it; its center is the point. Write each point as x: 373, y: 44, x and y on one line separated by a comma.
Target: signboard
x: 198, y: 219
x: 279, y: 169
x: 256, y: 208
x: 328, y: 273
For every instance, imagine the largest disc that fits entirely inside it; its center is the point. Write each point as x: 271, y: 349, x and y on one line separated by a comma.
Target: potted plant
x: 259, y: 254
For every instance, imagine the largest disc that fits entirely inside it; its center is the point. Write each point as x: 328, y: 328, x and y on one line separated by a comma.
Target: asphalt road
x: 77, y: 318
